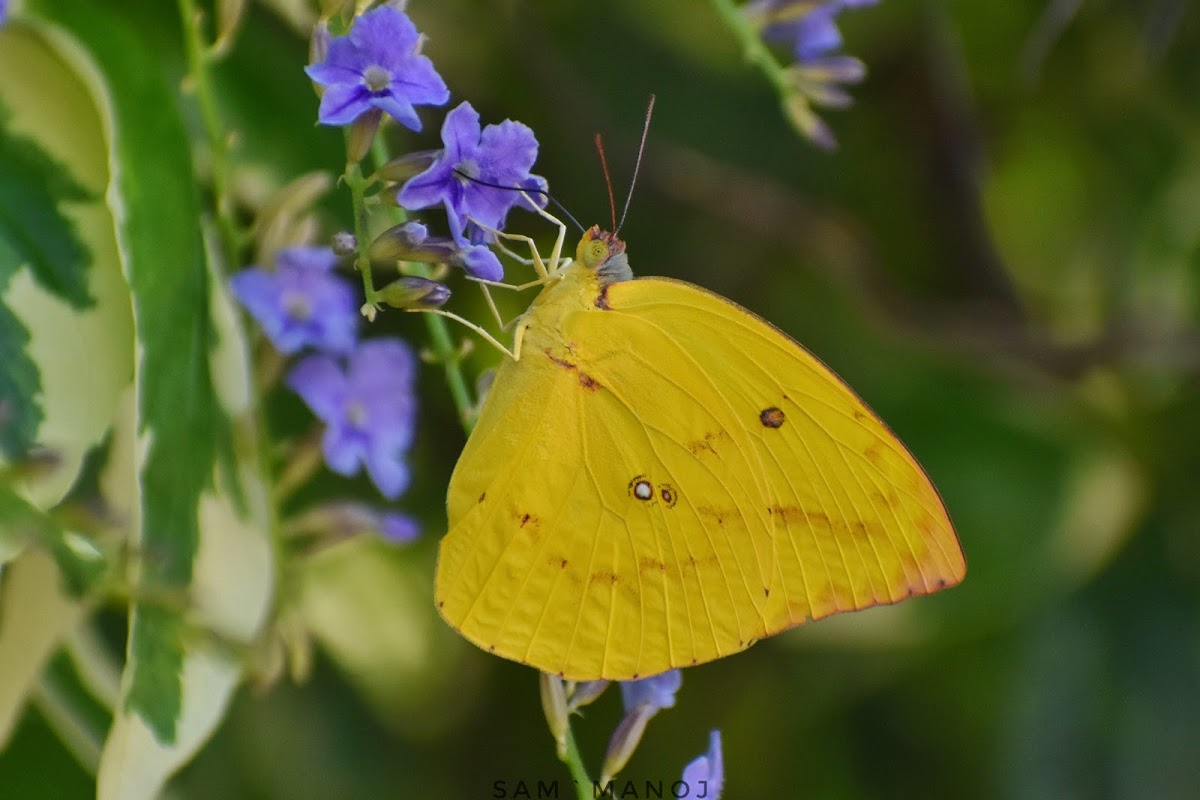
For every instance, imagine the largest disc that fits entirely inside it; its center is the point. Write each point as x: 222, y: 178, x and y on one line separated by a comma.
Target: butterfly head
x: 603, y: 253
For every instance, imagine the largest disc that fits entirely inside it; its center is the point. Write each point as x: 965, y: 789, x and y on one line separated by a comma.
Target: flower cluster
x: 362, y: 391
x: 478, y: 175
x: 809, y: 29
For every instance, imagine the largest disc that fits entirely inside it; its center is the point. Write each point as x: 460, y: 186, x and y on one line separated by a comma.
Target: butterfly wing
x: 669, y: 480
x: 855, y: 520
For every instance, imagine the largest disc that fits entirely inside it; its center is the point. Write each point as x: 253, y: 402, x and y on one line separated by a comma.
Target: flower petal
x: 321, y: 385
x: 480, y: 262
x: 343, y: 103
x: 258, y: 292
x: 397, y: 527
x: 399, y: 109
x: 385, y: 465
x: 706, y: 772
x: 657, y: 690
x: 343, y: 448
x: 419, y: 81
x: 385, y: 32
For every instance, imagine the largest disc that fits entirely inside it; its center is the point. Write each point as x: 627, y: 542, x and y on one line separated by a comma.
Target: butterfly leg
x: 504, y: 326
x: 536, y: 259
x: 543, y: 270
x: 487, y: 337
x: 556, y: 252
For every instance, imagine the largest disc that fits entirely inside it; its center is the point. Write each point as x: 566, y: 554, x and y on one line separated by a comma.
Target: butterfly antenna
x: 612, y: 205
x: 530, y: 190
x: 637, y: 164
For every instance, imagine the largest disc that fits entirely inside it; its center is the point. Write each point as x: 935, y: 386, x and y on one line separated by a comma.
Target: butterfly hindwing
x: 575, y: 542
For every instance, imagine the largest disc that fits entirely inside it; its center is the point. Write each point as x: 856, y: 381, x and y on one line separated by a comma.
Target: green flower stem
x: 755, y: 50
x: 449, y: 356
x: 574, y: 762
x: 218, y: 141
x: 445, y: 352
x: 358, y: 187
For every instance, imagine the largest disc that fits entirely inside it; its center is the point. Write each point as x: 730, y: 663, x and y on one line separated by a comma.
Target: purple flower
x: 3, y: 11
x: 707, y: 771
x: 657, y: 691
x: 376, y: 66
x: 398, y: 528
x: 643, y: 699
x: 479, y: 260
x: 301, y: 303
x: 501, y: 155
x: 370, y: 411
x: 812, y: 33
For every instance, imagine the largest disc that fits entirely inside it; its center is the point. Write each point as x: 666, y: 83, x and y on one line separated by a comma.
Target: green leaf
x: 33, y: 232
x: 205, y: 574
x: 65, y: 320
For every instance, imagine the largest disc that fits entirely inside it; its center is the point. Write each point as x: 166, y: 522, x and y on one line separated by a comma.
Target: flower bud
x: 585, y: 693
x: 554, y: 704
x: 401, y: 168
x: 625, y: 740
x: 799, y: 110
x: 362, y: 134
x: 229, y: 18
x: 409, y: 241
x: 318, y: 45
x: 412, y: 292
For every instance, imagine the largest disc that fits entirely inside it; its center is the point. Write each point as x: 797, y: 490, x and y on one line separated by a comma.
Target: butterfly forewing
x: 855, y: 521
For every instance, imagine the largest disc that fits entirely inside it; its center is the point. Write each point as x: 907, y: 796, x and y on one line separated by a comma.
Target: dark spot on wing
x: 602, y: 299
x: 667, y: 493
x: 766, y: 592
x: 698, y: 446
x: 717, y: 515
x: 874, y: 454
x: 524, y: 520
x: 588, y: 382
x: 640, y: 488
x: 651, y: 565
x: 772, y: 417
x: 562, y: 362
x: 563, y: 565
x: 482, y: 496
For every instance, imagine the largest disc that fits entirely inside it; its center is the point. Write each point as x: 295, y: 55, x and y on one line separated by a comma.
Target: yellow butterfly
x: 660, y: 478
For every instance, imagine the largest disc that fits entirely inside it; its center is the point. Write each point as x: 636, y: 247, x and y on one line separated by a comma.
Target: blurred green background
x: 1002, y: 259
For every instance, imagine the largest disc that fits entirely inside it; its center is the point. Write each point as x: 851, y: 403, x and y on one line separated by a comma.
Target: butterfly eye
x: 595, y: 253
